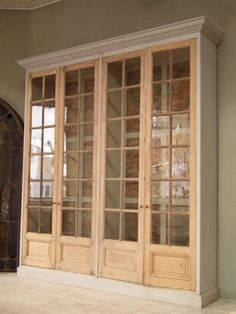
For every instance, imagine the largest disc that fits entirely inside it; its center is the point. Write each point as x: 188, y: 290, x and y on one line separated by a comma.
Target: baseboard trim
x: 180, y: 297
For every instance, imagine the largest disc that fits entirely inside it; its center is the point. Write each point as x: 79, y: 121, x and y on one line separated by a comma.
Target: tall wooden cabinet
x: 118, y: 145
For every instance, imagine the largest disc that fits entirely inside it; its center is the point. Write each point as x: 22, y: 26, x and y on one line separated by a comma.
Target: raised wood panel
x: 121, y: 260
x: 39, y: 250
x: 71, y: 253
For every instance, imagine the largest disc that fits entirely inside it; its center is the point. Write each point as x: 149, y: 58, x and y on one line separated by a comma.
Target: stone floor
x: 24, y: 296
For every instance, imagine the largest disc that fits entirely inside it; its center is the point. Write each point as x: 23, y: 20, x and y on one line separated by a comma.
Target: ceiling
x: 24, y: 4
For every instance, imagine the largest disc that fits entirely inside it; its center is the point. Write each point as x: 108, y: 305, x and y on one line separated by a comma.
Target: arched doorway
x: 11, y: 147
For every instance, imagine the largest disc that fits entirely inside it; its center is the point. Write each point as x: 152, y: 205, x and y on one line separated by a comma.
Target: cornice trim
x: 145, y: 38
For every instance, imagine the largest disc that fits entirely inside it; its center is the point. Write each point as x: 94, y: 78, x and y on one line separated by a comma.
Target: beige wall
x: 73, y: 22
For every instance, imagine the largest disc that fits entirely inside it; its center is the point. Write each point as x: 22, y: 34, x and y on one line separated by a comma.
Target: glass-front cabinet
x: 111, y: 167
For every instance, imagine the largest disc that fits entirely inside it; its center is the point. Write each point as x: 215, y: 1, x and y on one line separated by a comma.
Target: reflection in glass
x: 161, y: 99
x: 114, y: 74
x: 33, y: 219
x: 71, y: 84
x: 48, y: 142
x: 160, y: 131
x: 37, y: 115
x: 86, y: 108
x: 68, y: 222
x: 180, y: 230
x: 35, y: 167
x: 48, y: 167
x: 69, y: 194
x: 113, y: 164
x: 132, y: 102
x: 49, y: 113
x: 84, y: 196
x: 160, y: 195
x: 129, y: 227
x: 36, y: 141
x: 180, y: 95
x: 114, y: 103
x: 71, y: 110
x: 159, y: 229
x: 132, y: 71
x: 86, y: 136
x: 34, y: 193
x: 180, y: 163
x: 70, y: 167
x: 131, y: 164
x: 114, y: 134
x: 181, y: 129
x: 47, y: 193
x: 130, y: 194
x: 112, y: 225
x: 181, y: 62
x: 84, y: 223
x: 180, y: 196
x: 132, y: 132
x: 49, y: 86
x: 37, y: 84
x: 161, y: 65
x: 70, y: 138
x: 46, y: 221
x: 112, y: 194
x: 87, y: 80
x: 160, y: 163
x: 86, y: 165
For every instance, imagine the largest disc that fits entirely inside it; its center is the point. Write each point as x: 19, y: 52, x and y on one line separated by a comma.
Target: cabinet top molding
x: 137, y: 40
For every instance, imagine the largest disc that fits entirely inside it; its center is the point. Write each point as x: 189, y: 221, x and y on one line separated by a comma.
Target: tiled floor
x: 24, y: 296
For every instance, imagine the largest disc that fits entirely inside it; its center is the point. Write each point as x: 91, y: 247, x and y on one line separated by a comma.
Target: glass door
x: 121, y: 224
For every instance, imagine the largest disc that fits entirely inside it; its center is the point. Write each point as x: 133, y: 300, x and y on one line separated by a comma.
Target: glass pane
x: 69, y: 194
x: 160, y: 131
x: 68, y: 222
x: 112, y: 225
x: 180, y: 230
x: 161, y: 99
x: 36, y: 141
x: 114, y: 75
x: 37, y: 86
x: 131, y: 160
x: 84, y: 223
x: 132, y: 102
x: 114, y: 103
x: 37, y: 115
x: 132, y: 71
x: 181, y: 62
x: 160, y: 163
x: 46, y: 221
x: 113, y: 164
x: 70, y: 138
x: 86, y: 165
x: 85, y: 192
x: 160, y: 195
x: 48, y: 167
x: 71, y: 110
x: 87, y: 80
x: 49, y: 86
x: 48, y: 141
x: 160, y: 229
x: 70, y: 166
x: 180, y: 163
x: 129, y: 227
x: 180, y: 196
x: 130, y: 194
x: 112, y: 194
x: 114, y: 134
x: 86, y: 108
x: 49, y: 113
x: 47, y: 193
x: 181, y: 95
x: 132, y: 132
x: 181, y: 129
x: 161, y: 65
x: 35, y: 167
x: 33, y: 219
x: 86, y: 137
x: 34, y: 193
x: 71, y: 87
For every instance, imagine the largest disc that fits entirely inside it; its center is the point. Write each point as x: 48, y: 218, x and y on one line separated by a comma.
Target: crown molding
x: 29, y: 7
x: 139, y: 39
